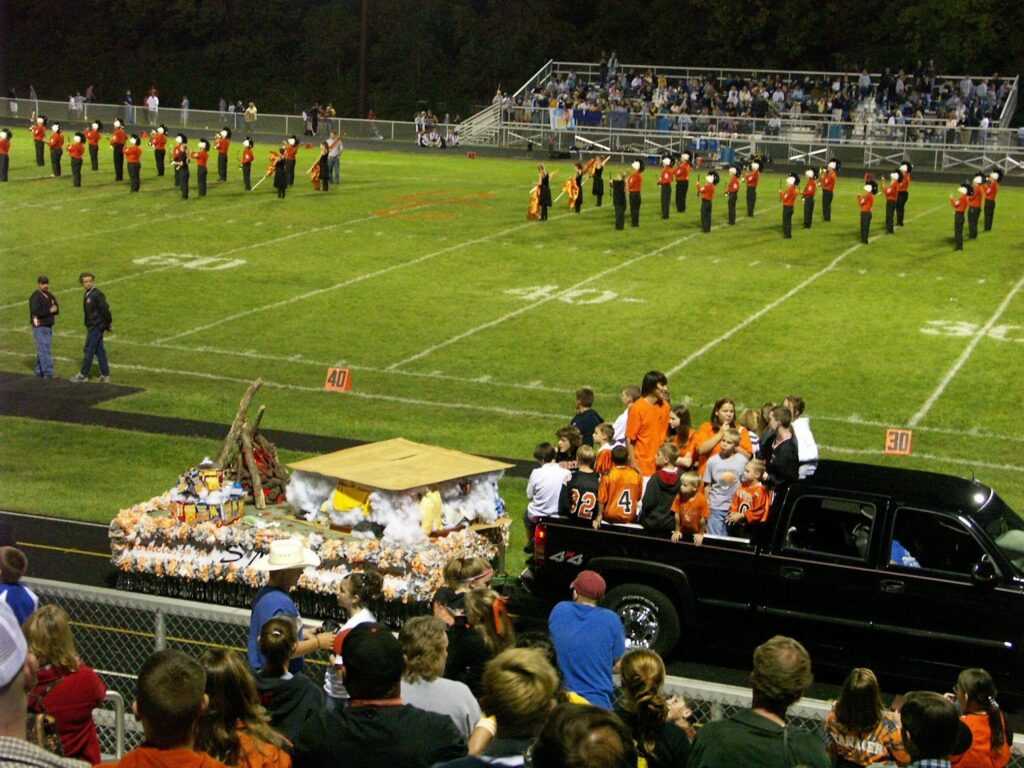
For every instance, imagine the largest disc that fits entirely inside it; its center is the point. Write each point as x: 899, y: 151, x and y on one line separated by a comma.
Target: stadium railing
x: 116, y: 631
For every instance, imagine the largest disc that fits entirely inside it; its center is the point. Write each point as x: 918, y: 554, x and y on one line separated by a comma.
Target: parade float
x: 397, y: 506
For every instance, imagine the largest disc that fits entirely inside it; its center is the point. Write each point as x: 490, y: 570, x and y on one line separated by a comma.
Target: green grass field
x: 466, y: 326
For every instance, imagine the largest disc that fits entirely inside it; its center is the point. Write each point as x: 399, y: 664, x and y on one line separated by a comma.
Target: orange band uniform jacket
x: 222, y: 144
x: 38, y: 132
x: 76, y: 150
x: 683, y: 171
x: 247, y: 156
x: 619, y: 492
x: 202, y: 156
x: 290, y: 152
x: 752, y: 179
x: 133, y: 154
x: 891, y: 191
x: 93, y: 137
x: 706, y: 191
x: 635, y: 182
x: 667, y: 176
x: 159, y: 142
x: 975, y: 200
x: 959, y: 203
x: 866, y: 201
x: 734, y: 185
x: 5, y: 146
x: 810, y: 188
x: 788, y: 196
x: 118, y: 137
x: 991, y: 190
x: 905, y: 184
x: 828, y: 180
x: 56, y: 141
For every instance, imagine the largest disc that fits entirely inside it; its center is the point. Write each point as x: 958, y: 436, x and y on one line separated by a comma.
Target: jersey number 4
x: 625, y: 502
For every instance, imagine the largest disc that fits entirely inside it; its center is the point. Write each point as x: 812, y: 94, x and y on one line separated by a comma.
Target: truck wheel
x: 649, y: 618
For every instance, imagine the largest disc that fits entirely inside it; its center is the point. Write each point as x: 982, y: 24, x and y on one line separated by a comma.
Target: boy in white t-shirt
x: 543, y: 489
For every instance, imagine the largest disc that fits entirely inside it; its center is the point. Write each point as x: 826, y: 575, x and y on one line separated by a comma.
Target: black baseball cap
x: 370, y: 651
x: 42, y: 279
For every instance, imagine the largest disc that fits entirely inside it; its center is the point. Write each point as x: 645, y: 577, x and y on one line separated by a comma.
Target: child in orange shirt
x: 691, y: 508
x: 750, y: 503
x: 681, y: 423
x: 604, y: 434
x: 619, y: 491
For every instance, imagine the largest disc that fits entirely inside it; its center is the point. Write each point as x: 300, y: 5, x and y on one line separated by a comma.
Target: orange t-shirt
x: 692, y: 513
x: 687, y: 447
x: 788, y: 196
x: 753, y: 501
x: 647, y: 429
x: 619, y: 492
x: 603, y: 461
x: 706, y: 432
x: 981, y: 755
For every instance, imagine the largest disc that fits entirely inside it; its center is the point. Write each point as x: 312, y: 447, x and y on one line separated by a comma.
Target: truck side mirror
x: 984, y: 574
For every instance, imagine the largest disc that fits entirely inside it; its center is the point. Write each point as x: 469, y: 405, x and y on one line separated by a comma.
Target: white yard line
x: 965, y: 355
x: 779, y: 301
x: 529, y: 307
x: 925, y: 456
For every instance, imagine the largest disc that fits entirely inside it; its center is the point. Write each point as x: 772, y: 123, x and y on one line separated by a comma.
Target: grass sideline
x: 466, y: 326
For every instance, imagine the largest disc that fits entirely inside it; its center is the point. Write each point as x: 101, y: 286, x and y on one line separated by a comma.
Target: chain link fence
x: 115, y: 632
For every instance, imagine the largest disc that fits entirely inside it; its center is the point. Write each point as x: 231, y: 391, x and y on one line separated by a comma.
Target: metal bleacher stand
x: 116, y: 631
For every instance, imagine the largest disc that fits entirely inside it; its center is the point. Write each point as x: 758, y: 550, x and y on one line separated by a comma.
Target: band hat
x: 997, y: 173
x: 835, y: 164
x: 906, y: 166
x: 97, y: 125
x: 286, y: 554
x: 161, y: 129
x: 792, y: 179
x: 79, y: 137
x: 13, y: 647
x: 55, y: 127
x: 715, y: 178
x: 204, y: 144
x: 811, y: 173
x: 590, y: 584
x: 874, y: 186
x: 5, y: 133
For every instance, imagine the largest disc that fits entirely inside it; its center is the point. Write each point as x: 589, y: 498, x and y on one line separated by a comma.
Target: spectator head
x: 643, y: 675
x: 630, y: 392
x: 681, y: 420
x: 748, y: 419
x: 13, y: 565
x: 171, y: 697
x: 653, y: 383
x: 359, y: 588
x: 585, y: 395
x: 620, y: 455
x: 859, y: 706
x: 373, y: 662
x: 668, y: 453
x: 589, y: 587
x: 544, y: 453
x: 585, y: 456
x: 931, y: 726
x: 520, y: 689
x: 782, y: 416
x: 424, y: 641
x: 569, y: 440
x: 18, y: 670
x: 583, y: 736
x: 781, y: 674
x: 486, y: 612
x: 49, y: 638
x: 606, y: 430
x: 976, y: 690
x: 466, y: 573
x: 795, y: 404
x: 277, y: 640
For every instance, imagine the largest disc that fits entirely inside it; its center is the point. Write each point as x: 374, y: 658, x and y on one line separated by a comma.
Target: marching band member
x: 577, y: 204
x: 180, y: 163
x: 903, y: 192
x: 246, y: 165
x: 682, y: 181
x: 596, y: 173
x: 828, y: 187
x: 117, y: 141
x: 221, y: 145
x: 280, y: 166
x: 752, y: 179
x: 706, y: 192
x: 76, y: 151
x: 788, y: 197
x: 290, y: 151
x: 5, y: 152
x: 891, y: 193
x: 732, y: 191
x: 866, y: 202
x: 991, y: 190
x: 959, y: 206
x: 202, y: 157
x: 809, y: 191
x: 158, y: 141
x: 974, y: 202
x: 619, y: 200
x: 635, y: 185
x: 665, y: 182
x: 133, y: 155
x: 56, y: 144
x: 92, y: 136
x: 38, y: 129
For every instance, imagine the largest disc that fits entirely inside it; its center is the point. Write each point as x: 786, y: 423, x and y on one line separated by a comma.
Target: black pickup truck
x: 914, y: 574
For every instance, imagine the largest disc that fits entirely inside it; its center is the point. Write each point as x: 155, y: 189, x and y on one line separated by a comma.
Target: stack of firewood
x: 249, y: 458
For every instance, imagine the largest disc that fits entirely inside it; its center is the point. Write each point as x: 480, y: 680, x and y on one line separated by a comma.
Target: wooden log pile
x: 249, y: 458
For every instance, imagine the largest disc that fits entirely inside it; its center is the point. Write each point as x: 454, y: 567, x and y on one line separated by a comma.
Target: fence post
x: 159, y: 630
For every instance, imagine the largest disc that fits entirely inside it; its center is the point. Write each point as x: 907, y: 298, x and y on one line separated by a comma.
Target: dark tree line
x: 450, y: 55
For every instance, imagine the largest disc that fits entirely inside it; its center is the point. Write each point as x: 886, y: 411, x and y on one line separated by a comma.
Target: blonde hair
x: 423, y: 640
x: 670, y: 451
x: 49, y: 637
x: 757, y: 465
x: 690, y: 478
x: 643, y: 675
x: 585, y: 456
x: 732, y: 433
x: 485, y: 612
x: 749, y: 419
x: 519, y: 686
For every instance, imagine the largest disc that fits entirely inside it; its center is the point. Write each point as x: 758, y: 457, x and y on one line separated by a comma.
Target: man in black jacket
x: 42, y: 308
x: 97, y: 322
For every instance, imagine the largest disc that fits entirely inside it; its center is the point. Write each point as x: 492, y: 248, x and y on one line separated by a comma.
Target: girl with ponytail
x: 976, y: 695
x: 488, y: 632
x: 645, y: 710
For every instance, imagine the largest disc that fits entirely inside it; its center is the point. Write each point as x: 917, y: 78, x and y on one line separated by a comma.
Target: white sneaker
x: 78, y: 378
x: 104, y: 379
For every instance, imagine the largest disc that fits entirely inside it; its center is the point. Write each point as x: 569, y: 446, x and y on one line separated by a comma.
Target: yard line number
x: 188, y: 261
x: 962, y: 329
x: 584, y: 296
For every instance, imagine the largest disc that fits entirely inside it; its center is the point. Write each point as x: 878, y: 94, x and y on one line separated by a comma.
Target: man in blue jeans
x: 97, y: 322
x: 43, y: 310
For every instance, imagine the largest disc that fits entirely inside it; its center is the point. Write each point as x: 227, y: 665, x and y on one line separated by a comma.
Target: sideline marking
x: 925, y: 456
x: 557, y: 295
x: 965, y: 355
x: 68, y: 550
x: 784, y: 297
x: 6, y: 513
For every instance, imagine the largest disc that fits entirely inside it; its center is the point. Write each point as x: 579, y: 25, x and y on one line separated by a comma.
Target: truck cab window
x: 830, y: 526
x: 932, y: 542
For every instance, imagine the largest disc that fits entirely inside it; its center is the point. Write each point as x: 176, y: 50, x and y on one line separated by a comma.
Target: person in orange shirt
x: 619, y: 492
x: 76, y: 151
x: 976, y: 696
x: 38, y: 129
x: 56, y: 144
x: 828, y: 187
x: 604, y: 435
x: 158, y: 141
x: 246, y: 165
x: 117, y: 140
x: 788, y: 198
x: 680, y: 423
x: 709, y: 435
x: 752, y: 179
x: 751, y: 502
x: 221, y: 145
x: 974, y: 202
x: 991, y: 190
x: 647, y: 423
x: 891, y: 193
x: 665, y: 182
x: 635, y: 185
x: 903, y: 192
x: 5, y: 152
x: 291, y: 151
x: 691, y: 508
x: 202, y: 157
x: 706, y: 193
x: 732, y: 191
x: 959, y: 207
x: 133, y: 155
x: 93, y: 136
x: 809, y: 191
x: 682, y: 181
x: 866, y: 202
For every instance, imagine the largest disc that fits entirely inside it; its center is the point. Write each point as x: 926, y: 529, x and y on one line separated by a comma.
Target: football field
x: 465, y: 325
